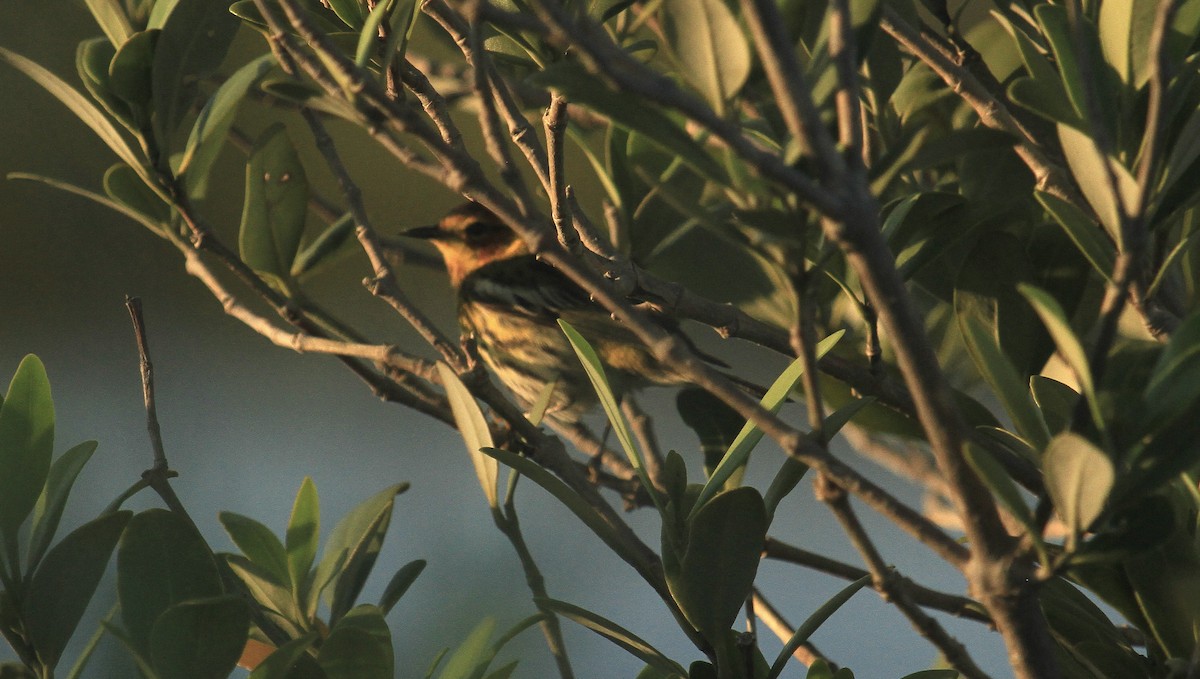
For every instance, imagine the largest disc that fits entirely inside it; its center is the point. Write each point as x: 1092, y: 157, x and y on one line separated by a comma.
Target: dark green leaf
x: 933, y: 674
x: 1175, y: 383
x: 1010, y: 388
x: 303, y: 532
x: 53, y: 500
x: 194, y: 40
x: 276, y: 205
x: 274, y: 597
x: 711, y: 47
x: 1084, y: 232
x: 123, y: 185
x: 358, y: 647
x: 334, y: 239
x: 474, y: 651
x: 258, y: 543
x: 1079, y: 477
x: 1056, y: 401
x: 581, y: 88
x: 994, y: 476
x: 65, y: 581
x: 200, y: 638
x: 351, y: 550
x: 161, y: 561
x: 474, y: 429
x: 215, y: 119
x: 399, y: 584
x: 715, y: 572
x: 283, y: 659
x: 26, y: 443
x: 351, y: 12
x: 1055, y: 27
x: 404, y: 21
x: 620, y: 636
x: 107, y: 202
x: 129, y: 71
x: 814, y: 622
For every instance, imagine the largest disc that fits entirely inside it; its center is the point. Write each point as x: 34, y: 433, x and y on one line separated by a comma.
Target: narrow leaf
x: 474, y: 430
x: 711, y: 47
x: 195, y: 37
x: 49, y: 508
x: 814, y: 622
x: 1088, y: 168
x: 258, y: 543
x: 1082, y: 231
x: 1010, y: 388
x: 351, y: 551
x: 116, y: 206
x: 368, y: 35
x: 399, y: 584
x: 1068, y: 344
x: 739, y: 451
x: 998, y: 481
x: 283, y: 659
x: 334, y: 239
x: 111, y: 17
x: 303, y: 532
x: 610, y: 630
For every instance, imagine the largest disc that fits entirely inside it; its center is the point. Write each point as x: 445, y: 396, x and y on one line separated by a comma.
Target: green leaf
x: 1068, y: 344
x: 1174, y: 384
x: 258, y: 543
x: 994, y: 476
x: 284, y: 658
x: 358, y: 647
x: 1056, y: 401
x: 160, y: 12
x: 129, y: 70
x: 569, y: 498
x: 474, y: 429
x: 610, y: 630
x: 595, y: 372
x: 200, y: 638
x: 1079, y: 477
x: 1088, y: 168
x: 92, y: 59
x: 1084, y: 232
x: 161, y: 561
x: 580, y: 87
x: 116, y: 206
x: 123, y: 184
x: 303, y: 532
x: 1010, y: 388
x: 195, y: 37
x: 276, y: 205
x: 933, y: 674
x: 26, y: 444
x: 1125, y: 27
x: 404, y: 21
x: 814, y: 621
x: 368, y: 35
x: 78, y: 104
x: 332, y: 240
x: 748, y: 438
x: 351, y: 12
x: 792, y: 471
x: 50, y: 504
x: 473, y: 651
x: 275, y: 597
x: 399, y: 584
x: 65, y: 581
x: 216, y: 118
x: 714, y: 574
x: 351, y: 550
x: 1055, y: 27
x: 711, y: 48
x: 112, y: 19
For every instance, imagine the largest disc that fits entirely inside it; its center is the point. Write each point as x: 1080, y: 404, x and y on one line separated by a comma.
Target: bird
x: 509, y: 303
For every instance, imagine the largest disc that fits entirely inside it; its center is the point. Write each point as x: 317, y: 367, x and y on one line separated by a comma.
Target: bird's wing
x: 525, y: 286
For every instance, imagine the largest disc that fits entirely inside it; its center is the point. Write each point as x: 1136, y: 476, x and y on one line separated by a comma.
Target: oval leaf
x: 276, y: 205
x: 26, y: 443
x: 710, y: 46
x: 1079, y: 477
x: 200, y: 639
x: 474, y: 430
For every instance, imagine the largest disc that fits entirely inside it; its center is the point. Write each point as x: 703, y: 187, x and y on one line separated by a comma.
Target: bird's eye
x: 481, y: 231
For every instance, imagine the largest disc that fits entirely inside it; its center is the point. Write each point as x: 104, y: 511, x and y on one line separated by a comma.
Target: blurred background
x: 244, y: 421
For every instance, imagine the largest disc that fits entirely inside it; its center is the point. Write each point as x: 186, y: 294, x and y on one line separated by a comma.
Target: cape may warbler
x: 510, y: 303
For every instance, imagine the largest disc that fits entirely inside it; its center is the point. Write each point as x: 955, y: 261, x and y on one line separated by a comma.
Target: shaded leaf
x: 1084, y: 232
x: 1010, y: 388
x: 283, y: 659
x: 1056, y: 401
x: 50, y: 504
x: 123, y: 184
x: 129, y: 70
x: 65, y: 581
x: 332, y: 240
x: 351, y: 550
x: 812, y: 623
x: 580, y: 87
x: 1069, y: 346
x: 26, y: 443
x: 358, y: 647
x: 200, y: 638
x: 994, y: 476
x: 258, y: 543
x: 107, y: 202
x: 610, y: 630
x: 399, y: 584
x: 195, y: 37
x: 276, y: 205
x: 1088, y: 168
x: 161, y: 561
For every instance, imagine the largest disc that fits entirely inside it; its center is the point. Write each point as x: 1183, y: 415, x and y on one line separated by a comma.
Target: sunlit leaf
x: 26, y: 443
x: 303, y: 532
x: 1079, y: 477
x: 474, y: 430
x: 711, y: 47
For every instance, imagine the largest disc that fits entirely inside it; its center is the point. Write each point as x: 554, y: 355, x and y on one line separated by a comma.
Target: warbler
x: 510, y: 302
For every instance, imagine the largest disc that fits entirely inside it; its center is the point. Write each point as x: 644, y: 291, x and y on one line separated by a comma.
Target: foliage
x: 990, y: 209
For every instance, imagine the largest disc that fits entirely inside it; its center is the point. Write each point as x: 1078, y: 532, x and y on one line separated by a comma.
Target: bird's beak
x: 431, y: 232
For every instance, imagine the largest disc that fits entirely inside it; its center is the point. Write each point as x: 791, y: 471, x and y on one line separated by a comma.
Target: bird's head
x: 469, y: 237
